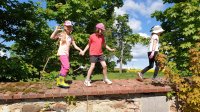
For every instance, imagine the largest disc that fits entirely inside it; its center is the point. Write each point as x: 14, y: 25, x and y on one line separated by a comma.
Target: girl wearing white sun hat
x: 153, y: 51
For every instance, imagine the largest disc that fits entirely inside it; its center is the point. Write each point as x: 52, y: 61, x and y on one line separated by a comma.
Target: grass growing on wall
x: 128, y: 75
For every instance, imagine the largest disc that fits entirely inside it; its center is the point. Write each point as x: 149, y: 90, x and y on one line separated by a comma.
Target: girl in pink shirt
x: 63, y: 51
x: 96, y: 41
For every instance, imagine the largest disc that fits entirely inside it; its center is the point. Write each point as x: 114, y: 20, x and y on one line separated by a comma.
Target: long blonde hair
x: 63, y: 37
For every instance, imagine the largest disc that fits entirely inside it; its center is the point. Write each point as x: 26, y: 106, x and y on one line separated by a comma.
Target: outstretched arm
x: 110, y: 49
x: 76, y: 47
x: 86, y: 48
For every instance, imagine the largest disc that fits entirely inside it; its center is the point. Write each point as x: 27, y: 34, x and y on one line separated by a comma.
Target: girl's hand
x: 56, y: 33
x: 58, y: 28
x: 112, y: 50
x: 152, y: 54
x: 81, y: 53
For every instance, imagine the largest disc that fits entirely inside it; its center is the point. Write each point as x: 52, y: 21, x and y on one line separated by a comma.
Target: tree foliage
x: 25, y: 25
x: 14, y: 69
x: 85, y: 13
x: 186, y: 89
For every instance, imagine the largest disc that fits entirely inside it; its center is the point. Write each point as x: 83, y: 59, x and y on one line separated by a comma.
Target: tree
x: 181, y: 24
x: 84, y: 13
x: 125, y: 40
x: 25, y: 24
x: 121, y: 32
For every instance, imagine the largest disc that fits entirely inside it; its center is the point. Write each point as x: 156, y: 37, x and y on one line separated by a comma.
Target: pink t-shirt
x: 95, y: 44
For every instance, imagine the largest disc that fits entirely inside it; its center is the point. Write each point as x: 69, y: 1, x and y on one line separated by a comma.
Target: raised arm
x: 55, y: 32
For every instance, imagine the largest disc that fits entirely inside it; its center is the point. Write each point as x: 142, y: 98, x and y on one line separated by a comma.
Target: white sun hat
x: 157, y: 29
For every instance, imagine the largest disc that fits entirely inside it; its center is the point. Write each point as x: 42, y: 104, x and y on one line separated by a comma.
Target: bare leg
x: 90, y: 71
x: 103, y: 63
x: 105, y: 80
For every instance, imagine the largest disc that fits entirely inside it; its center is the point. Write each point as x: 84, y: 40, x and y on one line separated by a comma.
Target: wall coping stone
x: 77, y: 88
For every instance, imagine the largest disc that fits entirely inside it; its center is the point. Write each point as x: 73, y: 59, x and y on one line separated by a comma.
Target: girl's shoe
x: 60, y: 82
x: 87, y: 83
x: 107, y: 81
x: 140, y: 76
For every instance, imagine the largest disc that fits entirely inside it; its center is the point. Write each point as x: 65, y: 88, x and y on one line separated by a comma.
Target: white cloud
x: 144, y: 35
x: 120, y: 11
x: 140, y: 59
x: 136, y: 63
x: 2, y: 54
x: 157, y: 5
x: 139, y: 51
x: 143, y: 8
x: 137, y: 9
x: 135, y: 25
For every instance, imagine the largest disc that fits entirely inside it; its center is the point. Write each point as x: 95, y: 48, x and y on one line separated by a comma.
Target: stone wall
x: 151, y: 102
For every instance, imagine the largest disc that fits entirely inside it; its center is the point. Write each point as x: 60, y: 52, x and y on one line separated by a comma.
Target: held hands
x: 82, y: 53
x: 152, y: 54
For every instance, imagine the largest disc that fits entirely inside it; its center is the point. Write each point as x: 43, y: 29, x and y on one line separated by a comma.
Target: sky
x: 140, y: 21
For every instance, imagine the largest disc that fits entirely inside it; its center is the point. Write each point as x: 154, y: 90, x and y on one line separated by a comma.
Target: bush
x: 186, y: 89
x: 15, y: 69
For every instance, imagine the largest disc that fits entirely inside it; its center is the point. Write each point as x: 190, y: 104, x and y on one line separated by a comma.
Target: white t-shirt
x: 64, y: 48
x: 154, y: 37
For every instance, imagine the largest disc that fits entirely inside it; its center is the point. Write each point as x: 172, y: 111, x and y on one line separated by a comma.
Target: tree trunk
x: 44, y: 67
x: 120, y: 70
x: 121, y: 59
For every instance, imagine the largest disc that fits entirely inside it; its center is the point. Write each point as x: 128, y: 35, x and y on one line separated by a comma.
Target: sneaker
x: 107, y: 81
x: 140, y: 76
x: 87, y: 83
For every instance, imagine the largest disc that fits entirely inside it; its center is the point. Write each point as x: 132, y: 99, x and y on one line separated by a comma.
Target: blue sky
x: 140, y: 21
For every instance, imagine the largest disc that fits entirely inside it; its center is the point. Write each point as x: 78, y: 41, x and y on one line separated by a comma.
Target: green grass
x: 128, y: 75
